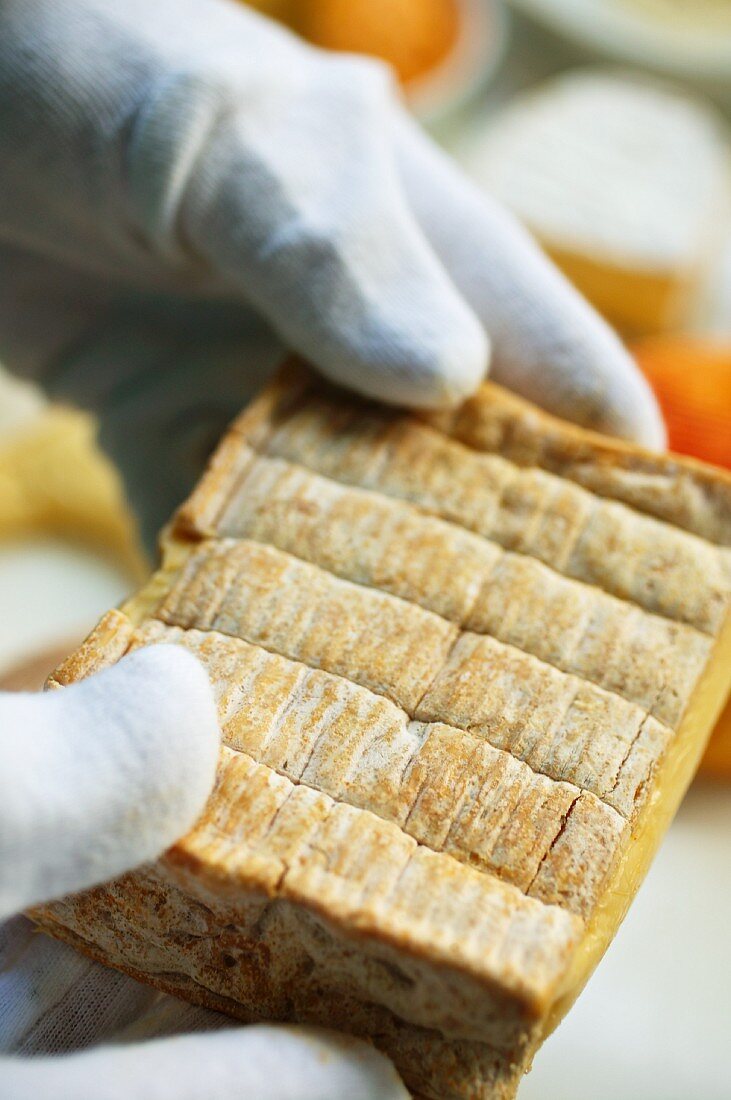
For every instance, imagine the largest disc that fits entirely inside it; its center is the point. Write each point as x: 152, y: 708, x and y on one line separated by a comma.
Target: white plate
x: 680, y: 37
x: 51, y: 591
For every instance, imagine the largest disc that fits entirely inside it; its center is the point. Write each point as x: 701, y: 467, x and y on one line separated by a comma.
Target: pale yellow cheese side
x: 669, y: 787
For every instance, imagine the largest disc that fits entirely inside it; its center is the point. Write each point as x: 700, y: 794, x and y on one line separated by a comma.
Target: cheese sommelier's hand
x: 186, y: 188
x: 185, y: 191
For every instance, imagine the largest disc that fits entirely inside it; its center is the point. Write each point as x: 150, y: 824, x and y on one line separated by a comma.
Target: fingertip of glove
x: 174, y: 684
x: 172, y: 718
x: 420, y: 370
x: 650, y: 431
x: 644, y: 421
x: 629, y: 408
x: 122, y: 765
x: 454, y: 371
x: 578, y: 369
x: 166, y: 668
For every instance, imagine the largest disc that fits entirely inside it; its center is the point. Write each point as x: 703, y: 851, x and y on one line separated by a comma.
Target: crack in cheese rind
x: 489, y: 975
x: 254, y: 592
x: 559, y: 725
x: 477, y: 959
x: 449, y: 791
x: 667, y: 790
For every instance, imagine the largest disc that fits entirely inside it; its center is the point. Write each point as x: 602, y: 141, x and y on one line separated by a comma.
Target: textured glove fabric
x: 179, y: 175
x: 193, y: 148
x: 254, y: 1063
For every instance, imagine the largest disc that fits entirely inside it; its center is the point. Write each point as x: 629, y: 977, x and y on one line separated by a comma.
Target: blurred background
x: 605, y: 125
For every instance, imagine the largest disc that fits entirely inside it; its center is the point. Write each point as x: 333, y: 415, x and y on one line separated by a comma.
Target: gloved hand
x: 95, y: 779
x: 185, y: 187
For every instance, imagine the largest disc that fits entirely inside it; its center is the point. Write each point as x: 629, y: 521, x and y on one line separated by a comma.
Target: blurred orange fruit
x: 413, y: 35
x: 692, y: 380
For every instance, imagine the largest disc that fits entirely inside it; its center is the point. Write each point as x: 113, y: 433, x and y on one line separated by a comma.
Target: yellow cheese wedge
x: 54, y: 480
x: 466, y: 664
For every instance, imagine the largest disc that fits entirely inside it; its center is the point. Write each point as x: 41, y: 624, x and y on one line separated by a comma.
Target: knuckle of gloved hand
x: 175, y: 118
x: 363, y: 85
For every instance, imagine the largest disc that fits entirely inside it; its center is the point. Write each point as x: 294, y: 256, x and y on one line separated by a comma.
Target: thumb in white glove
x: 103, y: 775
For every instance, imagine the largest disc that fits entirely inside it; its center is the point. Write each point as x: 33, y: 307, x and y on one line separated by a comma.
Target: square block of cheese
x: 465, y: 665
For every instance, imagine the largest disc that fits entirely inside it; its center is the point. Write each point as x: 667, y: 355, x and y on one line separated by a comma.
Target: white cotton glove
x: 95, y: 779
x: 254, y: 1063
x: 185, y: 188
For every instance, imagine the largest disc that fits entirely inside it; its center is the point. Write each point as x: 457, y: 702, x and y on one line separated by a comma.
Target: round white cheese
x: 612, y: 167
